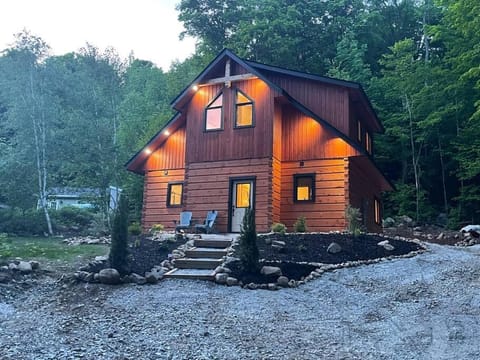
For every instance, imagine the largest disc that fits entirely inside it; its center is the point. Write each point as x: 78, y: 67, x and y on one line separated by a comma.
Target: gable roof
x: 261, y: 71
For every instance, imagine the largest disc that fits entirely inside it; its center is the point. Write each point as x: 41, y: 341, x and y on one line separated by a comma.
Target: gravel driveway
x: 426, y: 307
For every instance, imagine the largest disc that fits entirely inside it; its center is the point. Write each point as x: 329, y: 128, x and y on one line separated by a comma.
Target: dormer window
x: 243, y: 110
x: 214, y: 114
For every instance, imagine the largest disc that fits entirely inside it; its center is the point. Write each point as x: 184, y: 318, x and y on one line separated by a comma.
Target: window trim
x: 208, y: 107
x: 251, y: 103
x: 169, y: 193
x: 377, y: 211
x: 296, y: 177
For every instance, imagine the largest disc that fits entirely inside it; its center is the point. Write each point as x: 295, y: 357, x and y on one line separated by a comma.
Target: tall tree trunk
x: 415, y: 158
x: 442, y: 165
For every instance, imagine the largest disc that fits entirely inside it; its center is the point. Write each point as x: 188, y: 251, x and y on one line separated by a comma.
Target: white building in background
x: 83, y: 198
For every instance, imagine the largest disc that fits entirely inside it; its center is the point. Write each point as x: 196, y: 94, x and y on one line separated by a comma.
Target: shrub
x: 248, y: 250
x: 135, y: 229
x: 156, y: 228
x: 300, y: 225
x: 5, y: 247
x: 118, y: 256
x: 22, y: 222
x: 354, y: 220
x: 72, y: 220
x: 279, y: 228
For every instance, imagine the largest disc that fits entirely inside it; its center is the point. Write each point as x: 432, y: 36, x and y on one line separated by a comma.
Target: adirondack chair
x: 184, y: 224
x: 207, y: 226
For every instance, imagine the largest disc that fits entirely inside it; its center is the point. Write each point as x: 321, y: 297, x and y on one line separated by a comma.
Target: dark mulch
x: 312, y: 248
x: 147, y: 253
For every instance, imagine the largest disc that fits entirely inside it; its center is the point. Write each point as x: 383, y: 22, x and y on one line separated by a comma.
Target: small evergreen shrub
x: 300, y: 225
x: 135, y: 229
x: 279, y: 228
x: 248, y: 250
x: 354, y: 220
x: 118, y: 256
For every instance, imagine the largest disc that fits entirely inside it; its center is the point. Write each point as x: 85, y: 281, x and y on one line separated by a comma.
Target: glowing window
x: 213, y: 114
x: 304, y: 187
x: 377, y: 211
x: 174, y: 194
x: 242, y: 195
x: 244, y: 110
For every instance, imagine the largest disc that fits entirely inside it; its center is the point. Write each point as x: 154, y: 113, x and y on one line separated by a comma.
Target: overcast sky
x: 149, y: 28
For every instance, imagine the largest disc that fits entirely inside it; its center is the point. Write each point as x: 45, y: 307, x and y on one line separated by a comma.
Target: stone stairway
x: 201, y: 260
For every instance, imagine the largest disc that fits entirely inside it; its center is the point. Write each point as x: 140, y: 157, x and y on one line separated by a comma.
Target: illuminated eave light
x: 147, y: 151
x: 166, y: 133
x: 195, y: 87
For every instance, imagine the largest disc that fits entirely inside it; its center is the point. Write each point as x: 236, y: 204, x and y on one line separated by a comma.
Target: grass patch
x: 38, y: 248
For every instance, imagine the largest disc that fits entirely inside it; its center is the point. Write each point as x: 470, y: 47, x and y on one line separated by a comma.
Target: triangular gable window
x: 243, y: 110
x: 214, y: 114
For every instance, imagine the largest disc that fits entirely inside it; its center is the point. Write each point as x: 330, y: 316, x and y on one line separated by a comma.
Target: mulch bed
x: 312, y: 248
x: 147, y: 253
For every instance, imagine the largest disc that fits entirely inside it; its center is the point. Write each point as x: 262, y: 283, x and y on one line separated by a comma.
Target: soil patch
x: 313, y: 247
x: 146, y: 253
x: 300, y: 249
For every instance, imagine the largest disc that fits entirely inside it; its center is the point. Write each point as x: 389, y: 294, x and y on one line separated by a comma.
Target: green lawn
x: 51, y: 249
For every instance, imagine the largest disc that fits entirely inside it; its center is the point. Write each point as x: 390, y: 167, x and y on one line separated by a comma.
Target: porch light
x: 195, y: 87
x: 166, y: 133
x: 147, y: 151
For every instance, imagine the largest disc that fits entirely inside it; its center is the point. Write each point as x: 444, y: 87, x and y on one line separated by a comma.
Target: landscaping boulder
x: 24, y: 267
x: 137, y: 279
x: 271, y: 270
x: 334, y: 248
x: 34, y: 264
x: 109, y: 276
x: 386, y: 245
x: 5, y: 277
x: 221, y: 278
x: 151, y: 278
x: 282, y: 281
x: 231, y: 281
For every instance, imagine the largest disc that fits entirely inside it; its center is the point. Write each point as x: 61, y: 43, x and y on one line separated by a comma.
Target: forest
x: 75, y: 120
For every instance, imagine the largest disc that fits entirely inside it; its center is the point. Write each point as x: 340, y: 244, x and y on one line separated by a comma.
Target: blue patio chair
x: 184, y: 224
x: 207, y: 226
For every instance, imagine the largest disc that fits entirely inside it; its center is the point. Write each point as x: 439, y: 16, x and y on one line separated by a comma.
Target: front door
x: 241, y: 198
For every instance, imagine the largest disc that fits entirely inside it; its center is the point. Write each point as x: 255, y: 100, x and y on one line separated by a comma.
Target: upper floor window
x: 359, y: 131
x: 175, y: 194
x: 377, y: 211
x: 304, y: 187
x: 214, y: 114
x: 368, y: 142
x: 243, y: 110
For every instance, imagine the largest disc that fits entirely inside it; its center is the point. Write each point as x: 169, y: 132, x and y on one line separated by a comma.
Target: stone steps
x: 200, y: 262
x: 197, y: 263
x: 202, y: 252
x: 191, y: 274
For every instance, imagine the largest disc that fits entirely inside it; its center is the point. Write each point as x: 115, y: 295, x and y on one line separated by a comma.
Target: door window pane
x: 242, y: 195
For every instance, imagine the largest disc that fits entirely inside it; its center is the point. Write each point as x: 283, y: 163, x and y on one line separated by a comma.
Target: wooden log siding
x: 171, y: 155
x: 208, y: 184
x: 276, y: 190
x: 155, y: 210
x: 327, y: 212
x: 330, y: 102
x: 230, y: 143
x: 306, y: 139
x: 362, y: 187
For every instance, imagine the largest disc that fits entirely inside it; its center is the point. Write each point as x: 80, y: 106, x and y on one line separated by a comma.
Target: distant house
x: 83, y: 198
x: 283, y: 142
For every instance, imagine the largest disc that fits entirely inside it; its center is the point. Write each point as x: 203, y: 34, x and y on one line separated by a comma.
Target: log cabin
x: 283, y: 142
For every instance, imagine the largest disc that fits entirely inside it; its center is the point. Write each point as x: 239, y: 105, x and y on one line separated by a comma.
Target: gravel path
x: 426, y: 307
